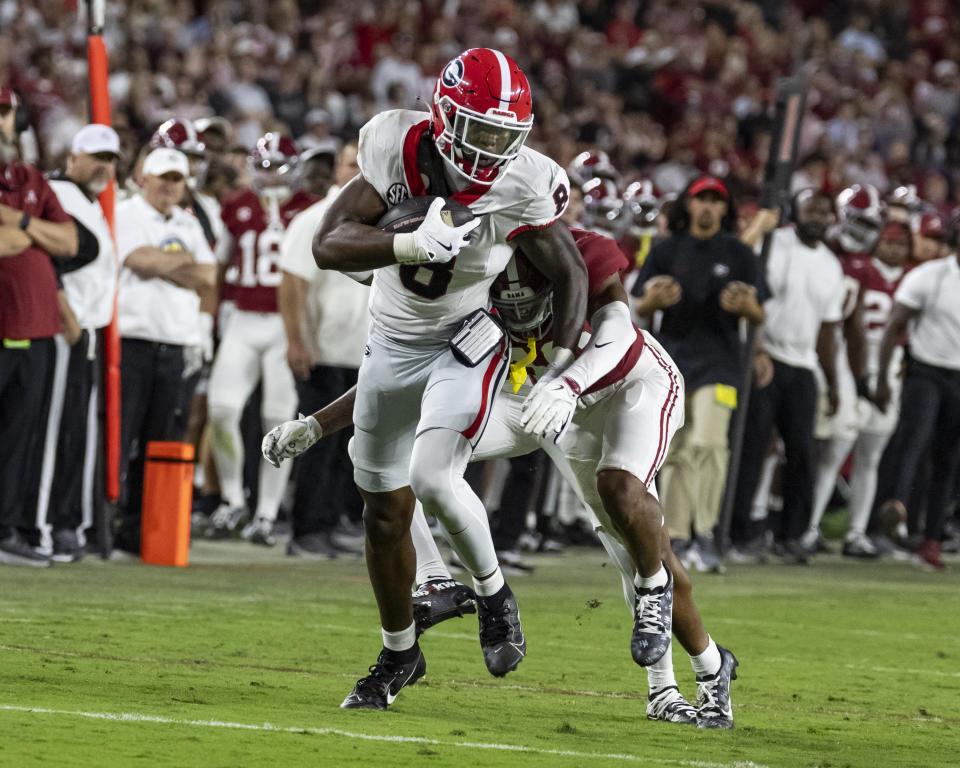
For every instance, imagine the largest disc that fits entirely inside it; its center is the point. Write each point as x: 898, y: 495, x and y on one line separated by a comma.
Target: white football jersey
x: 424, y: 301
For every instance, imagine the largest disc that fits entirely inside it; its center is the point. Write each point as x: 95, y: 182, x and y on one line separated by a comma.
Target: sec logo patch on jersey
x: 397, y: 193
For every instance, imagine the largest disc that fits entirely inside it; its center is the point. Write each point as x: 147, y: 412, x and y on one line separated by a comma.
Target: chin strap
x: 518, y: 370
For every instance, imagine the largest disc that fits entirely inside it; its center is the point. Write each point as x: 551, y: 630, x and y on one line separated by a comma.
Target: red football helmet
x: 592, y: 164
x: 861, y: 215
x: 930, y: 225
x: 272, y: 162
x: 602, y: 207
x: 523, y: 297
x: 482, y: 113
x: 641, y: 208
x: 178, y: 134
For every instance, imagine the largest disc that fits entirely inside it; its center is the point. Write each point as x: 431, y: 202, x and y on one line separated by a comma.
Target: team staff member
x: 325, y: 319
x: 167, y: 269
x: 33, y: 227
x: 926, y: 306
x: 66, y: 496
x: 704, y: 280
x: 802, y: 321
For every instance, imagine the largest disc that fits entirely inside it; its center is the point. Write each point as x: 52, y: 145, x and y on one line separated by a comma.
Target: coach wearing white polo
x: 66, y: 494
x: 167, y: 267
x: 927, y: 307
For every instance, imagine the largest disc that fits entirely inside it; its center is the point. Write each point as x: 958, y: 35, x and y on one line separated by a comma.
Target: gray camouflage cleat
x: 669, y: 706
x: 652, y: 622
x: 713, y: 694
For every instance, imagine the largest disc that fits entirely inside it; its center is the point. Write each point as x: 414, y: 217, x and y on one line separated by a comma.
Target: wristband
x: 25, y: 221
x: 405, y: 248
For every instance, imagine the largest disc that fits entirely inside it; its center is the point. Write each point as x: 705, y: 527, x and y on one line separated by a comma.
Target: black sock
x: 403, y: 657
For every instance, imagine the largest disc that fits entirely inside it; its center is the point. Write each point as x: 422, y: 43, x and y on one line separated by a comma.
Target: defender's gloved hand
x: 434, y: 242
x: 290, y: 439
x: 549, y: 406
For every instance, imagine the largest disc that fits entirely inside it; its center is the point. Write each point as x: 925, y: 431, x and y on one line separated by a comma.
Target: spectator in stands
x: 167, y: 269
x: 926, y: 307
x: 67, y: 495
x: 703, y: 280
x: 33, y: 227
x: 802, y: 321
x: 325, y: 319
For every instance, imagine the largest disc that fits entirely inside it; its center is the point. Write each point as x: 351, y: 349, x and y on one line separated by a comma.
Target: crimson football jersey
x: 253, y: 271
x: 878, y: 283
x: 603, y: 258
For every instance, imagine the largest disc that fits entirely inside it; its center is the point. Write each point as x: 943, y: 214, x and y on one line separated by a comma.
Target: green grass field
x: 233, y: 664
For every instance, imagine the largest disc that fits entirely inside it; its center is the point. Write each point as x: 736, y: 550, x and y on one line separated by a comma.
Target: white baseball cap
x: 95, y: 138
x: 164, y: 160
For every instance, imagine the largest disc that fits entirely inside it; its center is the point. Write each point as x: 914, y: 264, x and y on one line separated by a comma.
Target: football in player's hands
x: 428, y: 229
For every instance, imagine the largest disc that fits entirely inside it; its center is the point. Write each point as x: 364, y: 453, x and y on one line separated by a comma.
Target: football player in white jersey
x: 419, y: 410
x: 631, y: 405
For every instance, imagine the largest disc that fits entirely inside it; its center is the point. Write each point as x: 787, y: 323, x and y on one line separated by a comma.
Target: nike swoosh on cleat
x: 391, y: 697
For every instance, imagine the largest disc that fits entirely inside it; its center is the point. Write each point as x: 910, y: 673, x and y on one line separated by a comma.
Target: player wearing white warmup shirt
x: 619, y: 430
x: 419, y: 411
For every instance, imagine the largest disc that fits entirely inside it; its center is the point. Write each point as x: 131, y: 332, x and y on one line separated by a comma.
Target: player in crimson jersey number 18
x: 253, y: 346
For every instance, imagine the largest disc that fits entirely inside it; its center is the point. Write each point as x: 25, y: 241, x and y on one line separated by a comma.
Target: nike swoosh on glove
x: 433, y: 242
x: 549, y: 406
x: 290, y: 439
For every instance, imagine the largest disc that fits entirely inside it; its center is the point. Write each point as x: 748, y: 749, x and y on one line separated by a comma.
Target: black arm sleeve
x: 88, y: 248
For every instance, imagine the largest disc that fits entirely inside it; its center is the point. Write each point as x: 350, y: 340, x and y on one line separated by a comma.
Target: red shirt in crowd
x: 28, y: 284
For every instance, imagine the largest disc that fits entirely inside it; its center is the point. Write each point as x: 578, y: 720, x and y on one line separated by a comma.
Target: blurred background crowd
x: 636, y: 98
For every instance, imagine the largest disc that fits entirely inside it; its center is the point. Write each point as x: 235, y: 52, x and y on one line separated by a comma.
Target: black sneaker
x: 441, y: 599
x: 66, y: 546
x: 652, y: 622
x: 669, y: 706
x: 713, y: 694
x: 311, y: 546
x: 379, y: 689
x: 14, y: 550
x: 501, y: 636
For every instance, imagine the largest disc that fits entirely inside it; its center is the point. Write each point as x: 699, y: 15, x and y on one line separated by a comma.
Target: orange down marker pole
x: 100, y: 113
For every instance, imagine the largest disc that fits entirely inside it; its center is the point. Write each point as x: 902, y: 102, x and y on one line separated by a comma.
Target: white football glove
x: 549, y: 406
x: 433, y: 242
x: 290, y: 439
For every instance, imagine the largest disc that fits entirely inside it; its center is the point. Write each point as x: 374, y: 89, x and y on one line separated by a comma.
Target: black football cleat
x: 379, y: 689
x: 441, y: 599
x: 713, y: 694
x: 652, y: 622
x: 501, y: 636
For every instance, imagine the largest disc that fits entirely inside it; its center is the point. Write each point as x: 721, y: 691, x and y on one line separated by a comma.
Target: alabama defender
x: 617, y: 438
x: 253, y: 347
x: 420, y: 410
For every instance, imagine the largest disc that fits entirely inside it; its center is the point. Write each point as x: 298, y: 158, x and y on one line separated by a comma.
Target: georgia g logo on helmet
x: 452, y: 74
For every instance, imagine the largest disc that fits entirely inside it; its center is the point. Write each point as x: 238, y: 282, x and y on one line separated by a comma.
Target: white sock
x: 863, y: 481
x: 659, y: 579
x: 400, y: 641
x: 429, y: 563
x: 489, y: 585
x: 832, y: 455
x: 660, y: 675
x: 708, y: 662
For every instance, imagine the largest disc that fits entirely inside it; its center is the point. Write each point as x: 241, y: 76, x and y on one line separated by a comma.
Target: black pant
x: 23, y: 376
x: 324, y: 474
x: 66, y: 510
x: 789, y: 402
x: 928, y: 433
x: 520, y: 490
x: 154, y: 405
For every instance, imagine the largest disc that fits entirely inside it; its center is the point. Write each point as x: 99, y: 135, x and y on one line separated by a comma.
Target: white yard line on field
x: 131, y: 717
